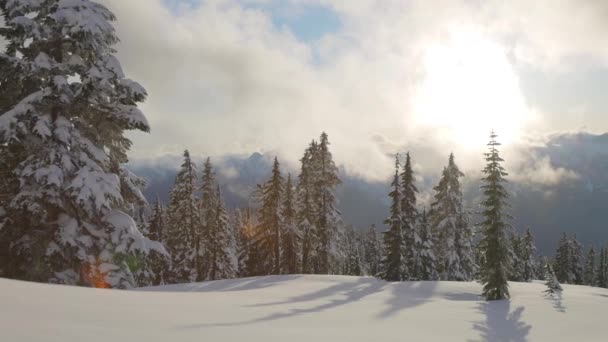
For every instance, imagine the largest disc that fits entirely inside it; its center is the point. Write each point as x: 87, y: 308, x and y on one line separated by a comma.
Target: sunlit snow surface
x: 300, y: 308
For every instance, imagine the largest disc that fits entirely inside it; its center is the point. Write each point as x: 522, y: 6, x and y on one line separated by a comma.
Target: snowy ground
x: 299, y: 308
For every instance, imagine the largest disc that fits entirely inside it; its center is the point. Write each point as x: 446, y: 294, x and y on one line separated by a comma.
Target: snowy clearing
x: 300, y: 308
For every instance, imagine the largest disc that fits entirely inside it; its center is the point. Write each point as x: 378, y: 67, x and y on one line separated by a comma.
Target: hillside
x: 299, y: 308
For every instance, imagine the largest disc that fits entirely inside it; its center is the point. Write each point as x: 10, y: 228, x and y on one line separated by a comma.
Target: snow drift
x: 300, y: 308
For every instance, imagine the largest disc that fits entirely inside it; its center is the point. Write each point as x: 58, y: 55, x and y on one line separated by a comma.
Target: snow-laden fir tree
x: 409, y: 217
x: 516, y: 267
x: 239, y: 243
x: 208, y: 219
x: 563, y: 261
x: 372, y: 251
x: 494, y: 228
x: 268, y: 235
x: 13, y: 88
x: 156, y: 231
x: 602, y: 269
x: 551, y: 281
x: 527, y: 257
x: 392, y: 238
x: 569, y: 261
x: 464, y: 245
x: 290, y: 238
x: 64, y: 124
x: 305, y: 209
x: 217, y: 258
x: 352, y: 263
x: 425, y: 264
x: 589, y: 277
x: 450, y: 227
x: 329, y: 226
x: 578, y: 260
x: 246, y: 248
x: 184, y: 219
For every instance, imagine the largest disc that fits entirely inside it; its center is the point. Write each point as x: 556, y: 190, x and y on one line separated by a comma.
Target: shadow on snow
x: 404, y: 295
x: 501, y: 324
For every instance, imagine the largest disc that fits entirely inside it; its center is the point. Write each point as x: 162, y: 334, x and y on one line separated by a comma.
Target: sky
x: 380, y: 77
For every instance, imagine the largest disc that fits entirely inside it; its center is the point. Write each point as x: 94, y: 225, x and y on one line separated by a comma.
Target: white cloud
x: 541, y: 172
x: 223, y: 79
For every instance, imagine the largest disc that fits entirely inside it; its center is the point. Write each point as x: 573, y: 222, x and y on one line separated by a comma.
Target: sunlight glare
x: 470, y: 88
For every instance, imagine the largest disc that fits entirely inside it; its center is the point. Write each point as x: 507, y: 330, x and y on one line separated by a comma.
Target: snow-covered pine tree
x: 268, y: 234
x: 290, y: 239
x: 184, y: 218
x: 464, y: 245
x: 218, y: 260
x: 495, y: 229
x: 305, y: 208
x: 551, y: 281
x: 156, y: 231
x: 372, y: 254
x: 425, y: 265
x: 409, y: 217
x: 450, y: 227
x: 590, y: 275
x: 563, y: 261
x: 352, y: 257
x: 329, y: 226
x: 13, y: 88
x: 240, y: 241
x: 73, y: 194
x: 569, y: 261
x: 392, y: 238
x: 246, y: 249
x: 527, y: 257
x: 578, y: 261
x: 208, y: 219
x: 602, y: 269
x: 516, y: 262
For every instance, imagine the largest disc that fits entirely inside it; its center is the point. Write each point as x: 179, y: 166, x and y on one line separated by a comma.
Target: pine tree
x: 156, y: 231
x: 551, y: 281
x: 218, y: 263
x: 13, y: 88
x: 269, y: 216
x: 305, y: 208
x: 602, y: 269
x: 578, y: 261
x: 569, y: 261
x: 205, y: 231
x: 563, y: 261
x: 393, y: 237
x: 329, y: 222
x: 409, y: 216
x: 450, y: 227
x: 246, y: 249
x: 372, y: 252
x: 516, y: 262
x: 426, y: 267
x: 494, y: 243
x: 527, y: 257
x: 184, y: 218
x: 590, y: 275
x: 289, y: 235
x: 352, y: 260
x: 464, y: 246
x: 68, y: 210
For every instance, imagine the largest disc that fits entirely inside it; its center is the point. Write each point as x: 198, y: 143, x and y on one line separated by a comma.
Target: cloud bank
x: 224, y: 78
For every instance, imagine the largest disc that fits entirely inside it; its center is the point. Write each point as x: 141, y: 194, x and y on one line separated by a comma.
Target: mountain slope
x: 299, y: 308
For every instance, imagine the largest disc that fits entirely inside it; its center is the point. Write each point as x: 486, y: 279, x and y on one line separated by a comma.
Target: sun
x: 470, y: 87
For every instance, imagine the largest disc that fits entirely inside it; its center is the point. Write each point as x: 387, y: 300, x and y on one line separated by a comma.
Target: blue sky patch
x: 307, y: 22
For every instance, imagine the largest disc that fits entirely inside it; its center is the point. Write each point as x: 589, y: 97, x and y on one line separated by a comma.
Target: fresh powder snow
x: 300, y: 308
